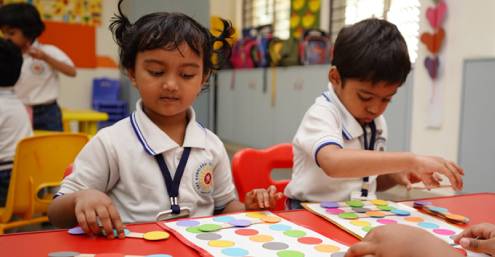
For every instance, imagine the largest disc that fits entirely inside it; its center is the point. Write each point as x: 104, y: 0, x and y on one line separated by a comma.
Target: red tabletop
x: 478, y: 207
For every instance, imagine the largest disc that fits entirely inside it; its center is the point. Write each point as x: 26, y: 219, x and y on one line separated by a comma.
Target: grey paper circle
x: 208, y: 236
x: 275, y: 246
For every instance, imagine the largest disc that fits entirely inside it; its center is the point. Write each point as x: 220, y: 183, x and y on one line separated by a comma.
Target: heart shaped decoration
x: 431, y: 65
x: 436, y: 15
x: 433, y: 41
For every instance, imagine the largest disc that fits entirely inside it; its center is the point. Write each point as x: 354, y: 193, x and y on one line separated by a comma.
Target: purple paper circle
x: 329, y: 205
x: 240, y: 223
x: 76, y: 231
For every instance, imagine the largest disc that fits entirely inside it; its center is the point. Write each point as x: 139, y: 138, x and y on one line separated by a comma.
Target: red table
x: 478, y: 207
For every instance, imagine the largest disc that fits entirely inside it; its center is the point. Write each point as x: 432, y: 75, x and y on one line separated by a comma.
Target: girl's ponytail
x: 122, y: 29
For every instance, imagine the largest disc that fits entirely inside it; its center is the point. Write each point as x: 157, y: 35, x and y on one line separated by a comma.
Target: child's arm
x: 398, y: 240
x: 84, y: 208
x: 255, y: 200
x: 478, y: 238
x: 338, y: 162
x: 63, y: 67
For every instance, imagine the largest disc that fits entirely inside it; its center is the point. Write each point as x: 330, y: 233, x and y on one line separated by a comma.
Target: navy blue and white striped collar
x: 155, y: 141
x: 351, y: 128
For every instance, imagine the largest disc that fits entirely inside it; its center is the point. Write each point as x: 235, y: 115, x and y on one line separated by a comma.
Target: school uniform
x: 121, y: 162
x: 38, y: 87
x: 14, y: 126
x: 328, y: 122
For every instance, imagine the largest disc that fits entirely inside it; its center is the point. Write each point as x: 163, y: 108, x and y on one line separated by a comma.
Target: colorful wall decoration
x: 305, y: 14
x: 433, y: 42
x: 87, y: 12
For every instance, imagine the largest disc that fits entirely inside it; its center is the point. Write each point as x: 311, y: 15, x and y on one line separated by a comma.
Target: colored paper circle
x: 379, y: 202
x: 270, y: 219
x: 208, y: 236
x: 386, y: 221
x: 246, y: 232
x: 461, y: 251
x: 335, y: 211
x: 158, y: 255
x: 376, y: 214
x: 360, y: 210
x: 295, y: 233
x: 261, y: 238
x: 329, y: 205
x: 235, y: 252
x: 221, y: 243
x: 428, y: 225
x: 456, y: 217
x: 355, y: 203
x: 437, y: 209
x: 309, y: 240
x: 367, y: 229
x: 275, y: 246
x: 348, y: 215
x: 324, y: 248
x: 360, y: 223
x: 76, y: 231
x: 240, y: 223
x: 255, y: 215
x: 290, y: 253
x: 225, y: 219
x: 400, y: 212
x: 414, y: 219
x: 421, y: 203
x: 63, y: 254
x: 209, y: 227
x: 194, y: 230
x: 385, y: 208
x: 156, y: 235
x: 280, y: 227
x: 187, y: 223
x: 339, y: 254
x: 443, y: 231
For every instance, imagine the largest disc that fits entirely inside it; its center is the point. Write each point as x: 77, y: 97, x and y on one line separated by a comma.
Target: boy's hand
x: 91, y: 205
x: 478, y: 238
x: 36, y: 53
x: 383, y: 241
x: 405, y: 179
x: 425, y: 168
x: 262, y: 198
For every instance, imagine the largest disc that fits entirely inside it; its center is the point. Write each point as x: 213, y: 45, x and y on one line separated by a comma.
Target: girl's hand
x: 92, y: 205
x: 426, y: 167
x: 36, y: 53
x: 262, y: 198
x: 478, y: 238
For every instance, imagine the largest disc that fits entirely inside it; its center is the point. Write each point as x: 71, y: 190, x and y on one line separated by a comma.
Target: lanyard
x: 173, y: 184
x: 368, y: 146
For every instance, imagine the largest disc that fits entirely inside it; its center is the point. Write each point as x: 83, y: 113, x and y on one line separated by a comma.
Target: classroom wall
x: 469, y: 33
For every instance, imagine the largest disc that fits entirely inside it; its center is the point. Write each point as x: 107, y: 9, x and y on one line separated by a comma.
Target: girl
x: 127, y: 170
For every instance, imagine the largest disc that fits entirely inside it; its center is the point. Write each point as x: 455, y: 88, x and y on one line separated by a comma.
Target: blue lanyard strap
x: 173, y: 184
x: 368, y: 146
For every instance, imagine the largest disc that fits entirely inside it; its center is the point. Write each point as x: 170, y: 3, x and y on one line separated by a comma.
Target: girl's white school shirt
x: 39, y: 82
x: 328, y: 122
x: 119, y: 162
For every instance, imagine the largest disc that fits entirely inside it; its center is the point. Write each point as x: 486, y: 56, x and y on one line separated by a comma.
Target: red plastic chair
x: 252, y: 168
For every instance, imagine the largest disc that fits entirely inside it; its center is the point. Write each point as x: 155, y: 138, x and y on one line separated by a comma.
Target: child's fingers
x: 104, y: 217
x: 279, y: 195
x: 92, y: 223
x: 458, y: 173
x: 81, y: 220
x: 362, y: 248
x: 116, y: 221
x: 454, y: 178
x: 259, y: 198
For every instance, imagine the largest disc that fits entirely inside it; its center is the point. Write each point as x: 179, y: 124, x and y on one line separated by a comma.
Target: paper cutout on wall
x: 436, y: 15
x: 431, y: 64
x: 305, y: 14
x: 433, y: 41
x: 86, y: 12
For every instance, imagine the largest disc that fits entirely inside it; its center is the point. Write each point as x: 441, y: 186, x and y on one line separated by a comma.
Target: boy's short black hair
x: 10, y: 63
x: 23, y: 16
x: 372, y: 50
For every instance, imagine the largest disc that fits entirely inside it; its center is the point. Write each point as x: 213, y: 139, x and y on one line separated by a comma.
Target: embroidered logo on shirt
x: 203, y: 178
x: 380, y: 144
x: 37, y: 68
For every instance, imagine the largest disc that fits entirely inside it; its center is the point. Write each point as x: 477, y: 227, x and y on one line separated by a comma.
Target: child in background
x: 39, y: 83
x: 397, y: 240
x: 124, y: 174
x: 14, y: 120
x: 338, y: 148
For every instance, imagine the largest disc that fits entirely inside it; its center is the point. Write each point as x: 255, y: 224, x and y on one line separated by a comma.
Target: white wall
x: 75, y: 93
x: 469, y: 33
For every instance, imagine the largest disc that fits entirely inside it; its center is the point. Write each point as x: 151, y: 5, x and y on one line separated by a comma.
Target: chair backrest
x: 105, y: 89
x: 39, y: 164
x: 252, y: 168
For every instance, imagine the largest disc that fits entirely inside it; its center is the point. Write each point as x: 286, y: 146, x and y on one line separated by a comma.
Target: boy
x: 39, y: 83
x: 370, y: 62
x: 14, y: 120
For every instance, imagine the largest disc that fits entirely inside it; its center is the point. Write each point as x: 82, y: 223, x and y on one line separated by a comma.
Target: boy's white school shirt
x: 39, y: 82
x: 328, y: 122
x: 14, y: 125
x: 119, y: 162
